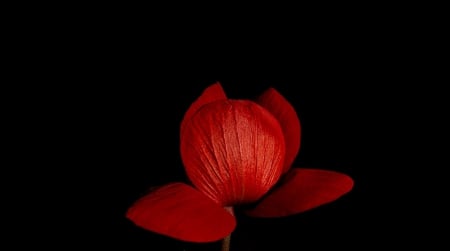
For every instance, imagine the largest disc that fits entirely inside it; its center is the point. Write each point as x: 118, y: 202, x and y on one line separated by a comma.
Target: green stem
x: 226, y: 240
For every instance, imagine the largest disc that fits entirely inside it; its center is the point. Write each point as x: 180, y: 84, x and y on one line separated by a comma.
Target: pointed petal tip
x: 211, y: 93
x: 216, y: 84
x: 215, y: 89
x: 181, y: 212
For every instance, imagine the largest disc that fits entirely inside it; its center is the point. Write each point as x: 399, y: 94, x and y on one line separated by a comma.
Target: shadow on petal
x: 276, y: 104
x: 300, y: 190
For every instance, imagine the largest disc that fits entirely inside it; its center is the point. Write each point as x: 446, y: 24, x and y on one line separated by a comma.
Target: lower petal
x: 181, y: 212
x: 302, y: 189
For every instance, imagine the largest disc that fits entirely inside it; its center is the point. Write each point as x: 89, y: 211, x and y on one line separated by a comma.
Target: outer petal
x: 233, y: 151
x: 179, y: 211
x: 303, y: 189
x: 210, y: 94
x: 286, y: 115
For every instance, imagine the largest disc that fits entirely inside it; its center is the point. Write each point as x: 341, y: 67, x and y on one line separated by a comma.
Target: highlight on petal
x: 181, y: 212
x: 302, y: 189
x: 275, y: 103
x: 212, y: 93
x: 233, y: 151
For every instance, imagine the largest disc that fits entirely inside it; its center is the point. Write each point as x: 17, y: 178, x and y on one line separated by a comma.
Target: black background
x: 117, y: 94
x: 126, y: 140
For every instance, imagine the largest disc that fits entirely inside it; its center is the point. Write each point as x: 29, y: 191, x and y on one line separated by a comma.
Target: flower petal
x: 303, y: 189
x: 210, y: 94
x: 233, y: 151
x: 273, y: 101
x: 181, y: 212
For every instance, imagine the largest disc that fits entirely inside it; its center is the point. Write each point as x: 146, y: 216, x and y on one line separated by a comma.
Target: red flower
x: 235, y: 152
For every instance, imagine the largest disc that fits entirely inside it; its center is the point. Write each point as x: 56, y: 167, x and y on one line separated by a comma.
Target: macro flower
x: 236, y: 152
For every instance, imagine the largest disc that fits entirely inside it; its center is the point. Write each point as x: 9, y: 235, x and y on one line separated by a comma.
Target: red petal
x: 210, y: 94
x: 233, y: 151
x: 181, y: 212
x: 286, y: 115
x: 303, y: 189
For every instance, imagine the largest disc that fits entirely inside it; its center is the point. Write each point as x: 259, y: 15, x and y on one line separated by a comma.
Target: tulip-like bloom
x: 236, y: 152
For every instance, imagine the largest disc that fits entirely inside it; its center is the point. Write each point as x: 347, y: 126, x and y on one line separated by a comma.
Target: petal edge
x: 285, y: 113
x: 302, y: 189
x: 212, y: 93
x: 181, y: 212
x: 233, y: 151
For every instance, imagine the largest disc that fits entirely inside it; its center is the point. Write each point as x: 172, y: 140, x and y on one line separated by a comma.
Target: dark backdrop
x: 101, y: 93
x: 120, y: 101
x: 125, y: 140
